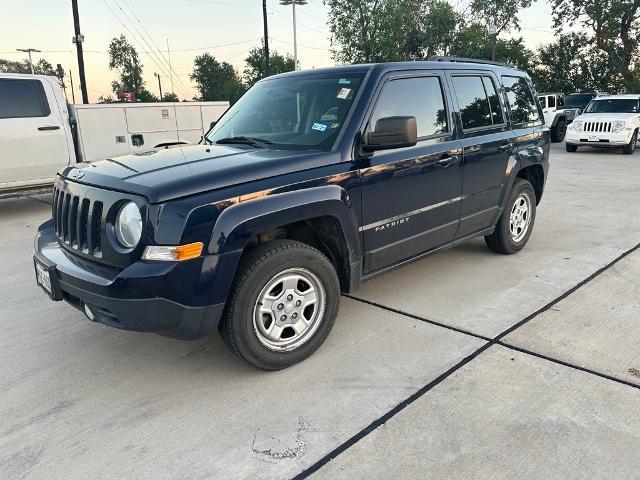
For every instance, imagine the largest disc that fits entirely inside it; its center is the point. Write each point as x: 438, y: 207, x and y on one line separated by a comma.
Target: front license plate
x: 43, y: 277
x: 593, y: 138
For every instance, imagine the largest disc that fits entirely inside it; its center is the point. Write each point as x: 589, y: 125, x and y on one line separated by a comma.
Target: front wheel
x: 516, y: 222
x: 631, y: 146
x: 570, y: 148
x: 282, y: 306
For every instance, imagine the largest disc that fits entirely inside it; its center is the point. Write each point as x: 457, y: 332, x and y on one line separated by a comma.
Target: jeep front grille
x: 603, y: 127
x: 78, y: 222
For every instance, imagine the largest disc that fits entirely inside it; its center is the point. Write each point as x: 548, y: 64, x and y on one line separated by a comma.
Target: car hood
x: 166, y: 173
x: 607, y: 117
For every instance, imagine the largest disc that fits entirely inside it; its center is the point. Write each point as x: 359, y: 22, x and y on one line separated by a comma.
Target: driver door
x: 410, y: 196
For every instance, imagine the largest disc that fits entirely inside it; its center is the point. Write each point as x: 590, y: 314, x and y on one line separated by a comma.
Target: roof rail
x: 469, y: 60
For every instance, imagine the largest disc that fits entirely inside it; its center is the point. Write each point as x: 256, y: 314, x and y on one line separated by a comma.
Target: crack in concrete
x: 272, y: 455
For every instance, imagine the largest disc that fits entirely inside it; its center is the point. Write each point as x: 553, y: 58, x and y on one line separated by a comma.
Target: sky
x: 227, y: 29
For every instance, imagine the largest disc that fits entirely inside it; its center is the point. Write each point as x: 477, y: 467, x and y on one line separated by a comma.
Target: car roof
x: 633, y: 96
x: 550, y: 93
x: 444, y: 63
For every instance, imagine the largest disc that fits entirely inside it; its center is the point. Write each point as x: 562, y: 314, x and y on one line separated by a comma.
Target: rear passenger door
x: 531, y: 136
x: 487, y: 143
x: 410, y: 195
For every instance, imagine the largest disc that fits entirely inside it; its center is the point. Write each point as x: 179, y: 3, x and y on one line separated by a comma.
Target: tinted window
x: 473, y: 102
x: 613, y: 105
x: 524, y: 109
x: 22, y: 98
x: 552, y: 102
x: 494, y: 101
x: 419, y: 97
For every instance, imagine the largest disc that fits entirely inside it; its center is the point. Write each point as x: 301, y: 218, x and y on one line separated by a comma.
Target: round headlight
x: 129, y: 225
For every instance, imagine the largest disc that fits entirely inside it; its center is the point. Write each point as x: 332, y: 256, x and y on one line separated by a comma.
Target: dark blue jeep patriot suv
x: 312, y: 183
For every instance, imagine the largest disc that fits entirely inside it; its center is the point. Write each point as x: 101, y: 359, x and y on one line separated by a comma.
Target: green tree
x: 615, y: 33
x: 124, y: 58
x: 503, y: 14
x: 170, y: 97
x: 440, y: 25
x: 41, y: 67
x: 365, y: 31
x: 216, y: 80
x: 254, y: 69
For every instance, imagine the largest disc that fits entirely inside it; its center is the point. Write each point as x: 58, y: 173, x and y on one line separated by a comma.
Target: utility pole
x: 78, y: 39
x: 293, y: 3
x: 73, y: 93
x: 29, y: 50
x: 493, y: 32
x: 266, y: 38
x: 159, y: 84
x: 170, y: 70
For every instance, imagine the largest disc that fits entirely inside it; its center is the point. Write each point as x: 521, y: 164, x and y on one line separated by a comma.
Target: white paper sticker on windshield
x: 343, y: 93
x: 321, y: 127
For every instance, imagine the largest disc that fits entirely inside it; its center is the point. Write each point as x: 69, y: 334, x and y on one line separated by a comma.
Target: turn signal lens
x: 172, y: 254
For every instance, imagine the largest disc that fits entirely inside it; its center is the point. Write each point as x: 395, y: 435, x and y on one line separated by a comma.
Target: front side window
x: 22, y: 98
x: 419, y: 97
x: 305, y: 112
x: 524, y: 109
x: 478, y: 101
x: 613, y: 105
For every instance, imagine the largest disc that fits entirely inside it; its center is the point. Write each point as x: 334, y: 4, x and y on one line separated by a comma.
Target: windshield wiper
x: 254, y: 142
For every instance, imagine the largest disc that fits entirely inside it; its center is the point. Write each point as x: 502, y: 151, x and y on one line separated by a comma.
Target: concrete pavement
x: 389, y: 394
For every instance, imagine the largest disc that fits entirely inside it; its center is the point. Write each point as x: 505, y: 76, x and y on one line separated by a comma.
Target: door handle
x: 506, y: 146
x: 446, y: 160
x: 50, y: 127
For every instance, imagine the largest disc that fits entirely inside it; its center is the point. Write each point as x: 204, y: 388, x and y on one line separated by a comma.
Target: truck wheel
x: 559, y: 131
x: 516, y: 223
x: 282, y: 306
x: 631, y: 146
x: 570, y: 148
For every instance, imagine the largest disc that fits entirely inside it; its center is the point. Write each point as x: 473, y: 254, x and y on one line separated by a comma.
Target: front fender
x: 238, y: 223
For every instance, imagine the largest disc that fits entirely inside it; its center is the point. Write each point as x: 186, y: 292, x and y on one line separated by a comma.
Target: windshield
x: 303, y: 112
x: 613, y: 105
x: 578, y: 100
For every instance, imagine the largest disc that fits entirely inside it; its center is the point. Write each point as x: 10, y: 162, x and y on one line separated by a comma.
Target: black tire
x: 570, y: 148
x: 559, y: 131
x: 502, y: 240
x: 631, y: 146
x: 256, y: 269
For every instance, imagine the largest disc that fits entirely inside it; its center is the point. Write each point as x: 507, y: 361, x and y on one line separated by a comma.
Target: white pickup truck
x: 40, y: 133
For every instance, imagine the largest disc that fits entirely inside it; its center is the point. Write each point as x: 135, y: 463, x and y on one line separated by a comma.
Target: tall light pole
x: 293, y: 3
x: 29, y: 50
x: 78, y: 38
x: 159, y: 84
x: 266, y: 38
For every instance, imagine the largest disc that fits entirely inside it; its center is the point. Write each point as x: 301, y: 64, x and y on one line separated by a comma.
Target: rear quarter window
x: 22, y: 98
x: 524, y: 109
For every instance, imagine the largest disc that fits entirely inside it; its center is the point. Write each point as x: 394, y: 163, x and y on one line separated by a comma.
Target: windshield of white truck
x: 305, y: 112
x: 613, y: 105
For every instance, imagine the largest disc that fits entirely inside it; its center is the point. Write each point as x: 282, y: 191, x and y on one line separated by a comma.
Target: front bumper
x: 600, y: 139
x: 134, y: 298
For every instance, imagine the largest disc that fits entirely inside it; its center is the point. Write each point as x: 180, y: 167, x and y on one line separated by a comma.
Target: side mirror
x: 392, y: 132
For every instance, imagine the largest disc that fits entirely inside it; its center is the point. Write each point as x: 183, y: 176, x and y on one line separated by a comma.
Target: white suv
x: 608, y: 121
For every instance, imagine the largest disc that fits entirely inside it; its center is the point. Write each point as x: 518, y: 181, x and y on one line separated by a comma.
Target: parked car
x: 580, y: 100
x: 556, y: 116
x: 42, y: 134
x: 608, y: 121
x: 312, y: 183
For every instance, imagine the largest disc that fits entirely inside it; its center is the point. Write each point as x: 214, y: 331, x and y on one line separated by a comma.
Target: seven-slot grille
x: 603, y: 127
x: 77, y: 221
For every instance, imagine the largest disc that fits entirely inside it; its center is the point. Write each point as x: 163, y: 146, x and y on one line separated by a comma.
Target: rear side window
x: 524, y: 109
x: 419, y: 97
x: 22, y: 98
x: 478, y: 101
x: 552, y: 102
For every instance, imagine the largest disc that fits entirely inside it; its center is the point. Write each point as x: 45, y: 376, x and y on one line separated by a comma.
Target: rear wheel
x: 282, y: 306
x: 559, y: 131
x: 516, y: 222
x: 570, y: 148
x: 631, y: 146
